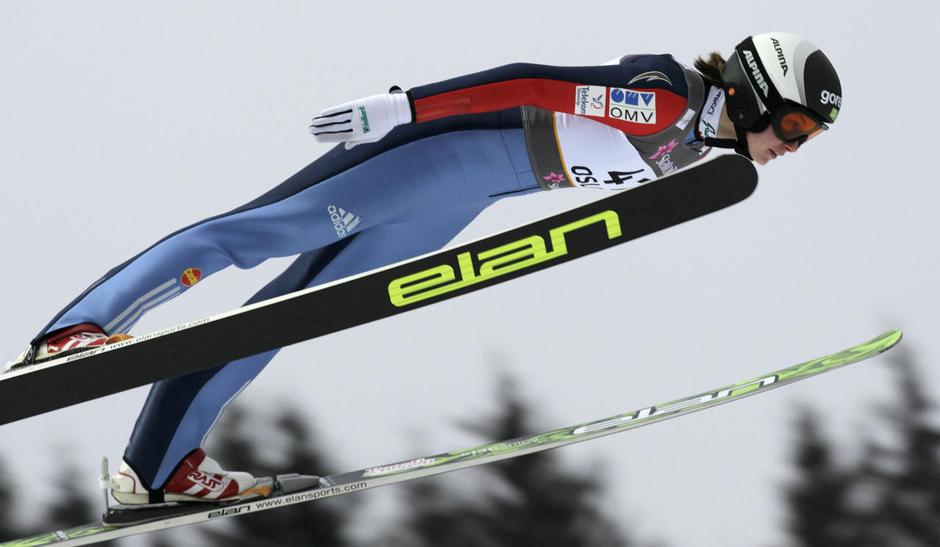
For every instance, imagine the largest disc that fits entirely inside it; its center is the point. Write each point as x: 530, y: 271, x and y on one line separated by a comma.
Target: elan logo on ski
x: 512, y: 257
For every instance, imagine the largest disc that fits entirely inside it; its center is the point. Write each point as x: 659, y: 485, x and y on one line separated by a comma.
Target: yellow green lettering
x: 511, y: 257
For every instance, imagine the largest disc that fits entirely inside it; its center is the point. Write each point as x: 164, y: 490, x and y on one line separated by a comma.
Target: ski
x: 293, y: 489
x: 378, y: 294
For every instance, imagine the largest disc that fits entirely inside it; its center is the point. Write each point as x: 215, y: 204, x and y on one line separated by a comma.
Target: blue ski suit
x: 503, y: 132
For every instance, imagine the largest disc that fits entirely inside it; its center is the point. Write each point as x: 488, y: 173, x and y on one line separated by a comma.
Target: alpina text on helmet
x: 780, y: 56
x: 755, y: 70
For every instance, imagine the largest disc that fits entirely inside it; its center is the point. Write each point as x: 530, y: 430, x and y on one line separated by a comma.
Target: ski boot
x: 198, y: 486
x: 198, y: 478
x: 74, y: 339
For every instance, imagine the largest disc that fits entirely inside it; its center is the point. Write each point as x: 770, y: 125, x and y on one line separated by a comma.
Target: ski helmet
x: 783, y: 80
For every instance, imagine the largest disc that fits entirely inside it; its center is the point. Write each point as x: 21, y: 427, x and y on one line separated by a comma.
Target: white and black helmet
x: 771, y: 77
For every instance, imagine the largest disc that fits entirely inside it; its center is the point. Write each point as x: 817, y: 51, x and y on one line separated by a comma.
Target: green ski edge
x: 355, y: 481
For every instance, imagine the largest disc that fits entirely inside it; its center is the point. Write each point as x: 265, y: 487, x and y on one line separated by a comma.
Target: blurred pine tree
x: 531, y: 500
x: 72, y: 505
x: 891, y: 496
x: 8, y: 527
x: 817, y: 499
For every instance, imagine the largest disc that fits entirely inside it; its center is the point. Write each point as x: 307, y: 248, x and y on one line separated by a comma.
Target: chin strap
x: 738, y: 144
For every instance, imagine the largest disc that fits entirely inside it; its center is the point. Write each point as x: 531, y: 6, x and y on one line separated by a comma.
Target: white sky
x: 122, y: 121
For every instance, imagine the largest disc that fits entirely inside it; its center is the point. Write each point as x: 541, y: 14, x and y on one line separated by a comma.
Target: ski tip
x: 734, y: 161
x: 881, y: 343
x: 891, y: 338
x: 741, y: 169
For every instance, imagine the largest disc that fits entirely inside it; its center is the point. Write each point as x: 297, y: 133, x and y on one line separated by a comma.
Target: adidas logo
x: 344, y: 222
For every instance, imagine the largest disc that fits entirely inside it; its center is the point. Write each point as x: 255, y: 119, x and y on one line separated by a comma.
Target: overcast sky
x: 122, y: 121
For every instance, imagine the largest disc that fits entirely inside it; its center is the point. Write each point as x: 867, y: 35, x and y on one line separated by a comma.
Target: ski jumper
x: 503, y: 132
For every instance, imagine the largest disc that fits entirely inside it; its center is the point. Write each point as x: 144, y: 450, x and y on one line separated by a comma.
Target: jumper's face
x: 766, y: 145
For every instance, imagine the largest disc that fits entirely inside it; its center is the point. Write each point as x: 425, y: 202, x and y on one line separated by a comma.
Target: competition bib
x: 598, y: 156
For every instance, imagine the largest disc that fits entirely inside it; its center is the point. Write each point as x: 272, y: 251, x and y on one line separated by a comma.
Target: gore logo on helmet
x: 780, y: 55
x: 758, y: 75
x: 828, y: 97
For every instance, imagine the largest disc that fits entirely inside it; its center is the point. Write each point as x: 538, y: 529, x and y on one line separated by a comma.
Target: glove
x: 362, y: 120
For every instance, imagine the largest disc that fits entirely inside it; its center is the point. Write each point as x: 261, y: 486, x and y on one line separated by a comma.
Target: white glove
x: 362, y: 120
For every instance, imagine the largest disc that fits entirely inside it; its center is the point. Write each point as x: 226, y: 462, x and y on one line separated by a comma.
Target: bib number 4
x: 586, y: 178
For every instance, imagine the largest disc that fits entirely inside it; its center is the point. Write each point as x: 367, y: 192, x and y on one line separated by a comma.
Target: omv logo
x: 633, y: 98
x: 633, y: 106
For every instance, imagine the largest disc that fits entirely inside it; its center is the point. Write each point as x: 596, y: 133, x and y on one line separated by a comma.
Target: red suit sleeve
x: 621, y: 96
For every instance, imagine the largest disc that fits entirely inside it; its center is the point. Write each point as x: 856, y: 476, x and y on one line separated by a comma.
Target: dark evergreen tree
x: 891, y: 496
x: 77, y: 500
x: 818, y: 498
x: 908, y: 470
x: 9, y: 529
x: 531, y: 500
x: 71, y: 506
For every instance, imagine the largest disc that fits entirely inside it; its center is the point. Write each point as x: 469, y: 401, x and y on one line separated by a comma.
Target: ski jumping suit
x: 475, y: 139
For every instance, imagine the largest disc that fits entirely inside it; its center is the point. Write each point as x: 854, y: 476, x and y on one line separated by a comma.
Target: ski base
x: 306, y: 489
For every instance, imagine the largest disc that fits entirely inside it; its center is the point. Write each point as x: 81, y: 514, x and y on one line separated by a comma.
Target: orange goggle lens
x: 797, y: 126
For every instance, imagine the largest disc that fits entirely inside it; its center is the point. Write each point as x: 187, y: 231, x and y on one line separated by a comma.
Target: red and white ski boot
x: 74, y: 339
x: 198, y: 478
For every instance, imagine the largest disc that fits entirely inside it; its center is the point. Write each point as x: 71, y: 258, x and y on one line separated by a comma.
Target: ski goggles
x: 796, y: 124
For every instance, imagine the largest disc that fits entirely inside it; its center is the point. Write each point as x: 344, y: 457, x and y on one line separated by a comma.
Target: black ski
x: 381, y: 293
